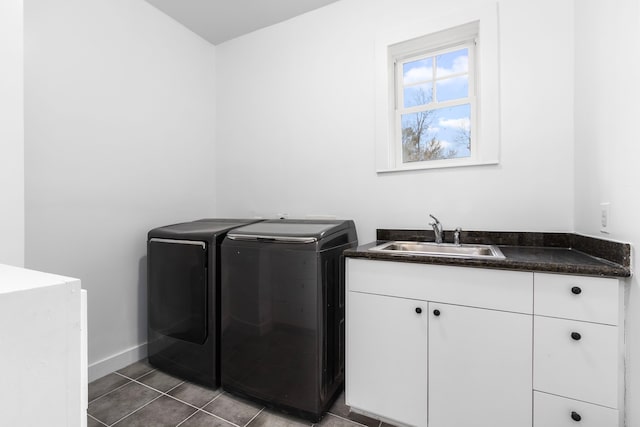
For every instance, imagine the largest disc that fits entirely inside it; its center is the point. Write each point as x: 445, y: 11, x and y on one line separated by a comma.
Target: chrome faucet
x: 437, y: 228
x: 456, y: 236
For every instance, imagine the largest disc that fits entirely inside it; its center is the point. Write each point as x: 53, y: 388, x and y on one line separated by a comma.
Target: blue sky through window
x: 450, y: 125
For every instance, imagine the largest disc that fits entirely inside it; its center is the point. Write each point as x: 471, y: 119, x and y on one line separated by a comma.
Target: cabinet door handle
x: 576, y: 336
x: 575, y: 416
x: 576, y: 290
x: 418, y: 310
x: 436, y: 312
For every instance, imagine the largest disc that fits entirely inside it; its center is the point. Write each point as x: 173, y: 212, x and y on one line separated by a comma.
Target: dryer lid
x: 290, y: 230
x: 200, y: 229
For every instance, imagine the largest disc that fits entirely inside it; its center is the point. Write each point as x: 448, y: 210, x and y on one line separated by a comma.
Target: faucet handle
x: 456, y: 236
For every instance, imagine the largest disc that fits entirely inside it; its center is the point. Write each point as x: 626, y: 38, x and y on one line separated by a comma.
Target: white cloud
x: 418, y: 74
x: 460, y: 65
x: 459, y: 80
x: 446, y: 144
x: 463, y: 123
x: 421, y: 74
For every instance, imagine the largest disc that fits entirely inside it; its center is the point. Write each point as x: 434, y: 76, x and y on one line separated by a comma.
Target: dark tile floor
x: 140, y: 395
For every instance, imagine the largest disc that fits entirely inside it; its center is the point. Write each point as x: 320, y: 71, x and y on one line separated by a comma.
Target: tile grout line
x: 166, y: 393
x: 347, y: 419
x: 119, y: 387
x: 138, y: 377
x: 184, y: 402
x: 218, y: 417
x: 161, y: 393
x: 109, y: 392
x: 214, y: 398
x: 201, y: 409
x: 185, y: 420
x: 155, y: 389
x: 254, y: 417
x: 96, y: 420
x: 133, y: 412
x: 197, y: 409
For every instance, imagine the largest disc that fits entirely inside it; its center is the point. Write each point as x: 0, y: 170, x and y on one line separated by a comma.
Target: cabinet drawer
x: 556, y: 411
x: 592, y: 299
x: 584, y: 367
x: 475, y: 287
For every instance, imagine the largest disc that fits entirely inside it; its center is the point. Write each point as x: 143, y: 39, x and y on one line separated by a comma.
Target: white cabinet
x: 444, y: 346
x: 388, y: 347
x: 43, y: 359
x: 471, y: 365
x: 578, y: 363
x: 479, y: 367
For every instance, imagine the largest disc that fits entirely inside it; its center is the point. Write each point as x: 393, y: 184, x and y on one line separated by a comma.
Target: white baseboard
x: 117, y: 361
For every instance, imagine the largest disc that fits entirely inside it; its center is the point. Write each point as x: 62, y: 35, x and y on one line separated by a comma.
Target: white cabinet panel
x: 386, y: 369
x: 584, y: 369
x: 41, y: 349
x: 479, y: 367
x: 496, y: 289
x: 592, y: 299
x: 556, y: 411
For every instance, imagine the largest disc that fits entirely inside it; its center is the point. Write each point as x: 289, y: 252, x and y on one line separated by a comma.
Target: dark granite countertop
x: 547, y: 252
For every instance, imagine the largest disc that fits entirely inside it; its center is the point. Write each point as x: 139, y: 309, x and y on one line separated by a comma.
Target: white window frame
x: 478, y: 25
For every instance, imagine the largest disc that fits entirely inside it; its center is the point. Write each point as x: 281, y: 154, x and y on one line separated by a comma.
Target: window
x: 429, y: 109
x: 434, y: 105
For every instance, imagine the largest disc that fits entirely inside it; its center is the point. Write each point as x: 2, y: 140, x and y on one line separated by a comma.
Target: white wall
x: 119, y: 139
x: 296, y: 118
x: 11, y: 133
x: 606, y: 144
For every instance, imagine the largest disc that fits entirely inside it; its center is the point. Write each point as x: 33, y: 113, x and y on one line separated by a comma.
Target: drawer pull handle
x: 576, y: 290
x: 436, y: 312
x: 575, y: 416
x: 418, y: 310
x: 576, y: 336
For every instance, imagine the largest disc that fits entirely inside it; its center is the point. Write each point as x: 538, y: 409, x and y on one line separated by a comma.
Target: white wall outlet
x: 605, y: 217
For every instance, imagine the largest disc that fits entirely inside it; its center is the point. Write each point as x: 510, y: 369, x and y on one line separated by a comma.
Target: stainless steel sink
x: 440, y: 249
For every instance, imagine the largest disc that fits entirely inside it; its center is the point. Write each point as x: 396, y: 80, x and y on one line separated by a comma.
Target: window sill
x: 419, y: 167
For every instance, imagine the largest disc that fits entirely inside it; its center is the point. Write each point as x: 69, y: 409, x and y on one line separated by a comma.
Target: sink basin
x: 440, y: 249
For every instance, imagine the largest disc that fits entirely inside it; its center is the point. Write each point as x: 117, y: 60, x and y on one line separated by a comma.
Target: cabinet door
x: 387, y: 357
x: 479, y: 367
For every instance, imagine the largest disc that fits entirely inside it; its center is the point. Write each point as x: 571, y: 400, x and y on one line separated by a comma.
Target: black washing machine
x: 183, y: 298
x: 283, y: 313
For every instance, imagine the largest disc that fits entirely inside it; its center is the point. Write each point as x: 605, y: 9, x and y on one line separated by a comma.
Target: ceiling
x: 220, y: 20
